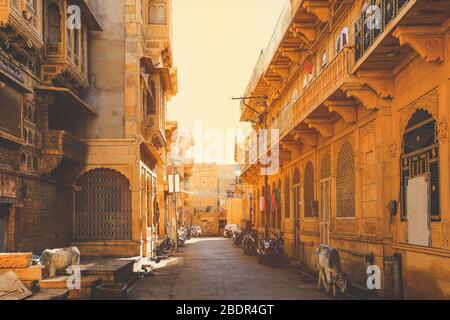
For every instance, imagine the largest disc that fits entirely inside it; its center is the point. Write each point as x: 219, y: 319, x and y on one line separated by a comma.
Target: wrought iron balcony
x: 373, y: 22
x: 326, y: 83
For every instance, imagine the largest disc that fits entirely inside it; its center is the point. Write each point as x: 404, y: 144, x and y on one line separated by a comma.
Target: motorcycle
x: 165, y: 247
x: 181, y: 237
x: 271, y: 251
x: 237, y: 238
x: 250, y: 243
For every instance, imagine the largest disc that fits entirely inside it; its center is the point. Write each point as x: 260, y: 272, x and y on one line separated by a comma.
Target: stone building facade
x: 123, y: 203
x: 44, y: 81
x: 83, y: 140
x: 359, y: 91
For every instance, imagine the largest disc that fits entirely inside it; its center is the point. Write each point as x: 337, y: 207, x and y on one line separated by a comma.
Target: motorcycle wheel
x: 260, y: 259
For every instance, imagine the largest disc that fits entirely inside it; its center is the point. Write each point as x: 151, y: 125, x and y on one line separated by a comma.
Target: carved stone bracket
x: 294, y: 56
x: 50, y: 162
x: 309, y: 31
x: 307, y: 137
x: 428, y: 41
x: 276, y: 84
x: 324, y: 127
x: 381, y: 82
x: 319, y: 8
x: 346, y: 109
x: 284, y: 73
x: 362, y: 93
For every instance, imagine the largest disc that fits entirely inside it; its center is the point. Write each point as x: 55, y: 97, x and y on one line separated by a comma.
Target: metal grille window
x: 309, y: 190
x: 103, y: 207
x: 421, y: 157
x: 345, y: 182
x: 325, y: 167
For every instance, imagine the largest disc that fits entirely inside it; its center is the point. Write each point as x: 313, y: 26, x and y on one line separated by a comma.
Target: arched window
x: 103, y: 206
x: 342, y: 40
x: 345, y: 181
x: 287, y: 198
x: 308, y: 192
x: 157, y: 12
x: 420, y: 158
x: 53, y: 23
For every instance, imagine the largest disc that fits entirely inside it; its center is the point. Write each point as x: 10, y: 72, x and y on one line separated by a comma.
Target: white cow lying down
x: 330, y: 271
x: 59, y: 259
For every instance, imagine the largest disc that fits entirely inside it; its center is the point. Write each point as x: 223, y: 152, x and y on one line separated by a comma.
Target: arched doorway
x: 103, y: 206
x: 420, y: 199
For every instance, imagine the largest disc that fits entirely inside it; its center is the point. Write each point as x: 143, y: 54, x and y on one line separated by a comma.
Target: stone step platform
x: 88, y: 284
x: 108, y: 270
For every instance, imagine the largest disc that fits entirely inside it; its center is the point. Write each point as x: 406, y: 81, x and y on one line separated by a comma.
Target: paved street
x: 213, y: 269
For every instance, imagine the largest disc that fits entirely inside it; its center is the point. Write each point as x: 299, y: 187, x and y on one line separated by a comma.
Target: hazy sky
x: 216, y: 46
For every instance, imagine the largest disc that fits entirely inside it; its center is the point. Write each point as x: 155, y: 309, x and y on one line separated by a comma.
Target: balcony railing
x: 322, y: 87
x: 372, y: 22
x: 62, y: 143
x: 268, y: 54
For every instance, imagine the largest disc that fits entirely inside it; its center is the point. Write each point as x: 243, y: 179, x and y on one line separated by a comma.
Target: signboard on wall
x: 8, y: 187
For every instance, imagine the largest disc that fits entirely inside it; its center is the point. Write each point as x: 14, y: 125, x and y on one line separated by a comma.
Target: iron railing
x: 373, y: 21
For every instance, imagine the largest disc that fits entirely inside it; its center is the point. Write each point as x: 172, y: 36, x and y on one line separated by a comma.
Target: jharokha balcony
x: 59, y: 147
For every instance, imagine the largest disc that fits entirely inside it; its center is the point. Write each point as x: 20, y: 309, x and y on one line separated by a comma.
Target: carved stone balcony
x: 21, y: 17
x: 388, y: 35
x: 324, y: 86
x: 60, y: 144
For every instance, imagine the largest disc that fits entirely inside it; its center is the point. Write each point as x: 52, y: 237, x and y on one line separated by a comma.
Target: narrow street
x: 212, y: 269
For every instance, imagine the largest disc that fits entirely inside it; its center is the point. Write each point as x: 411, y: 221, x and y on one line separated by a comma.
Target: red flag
x: 274, y: 202
x: 308, y: 66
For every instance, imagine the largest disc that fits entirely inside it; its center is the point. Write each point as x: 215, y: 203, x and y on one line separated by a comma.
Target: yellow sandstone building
x: 360, y: 94
x: 121, y: 208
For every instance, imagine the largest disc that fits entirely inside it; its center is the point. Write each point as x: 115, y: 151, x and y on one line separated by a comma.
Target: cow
x: 59, y: 260
x: 330, y: 271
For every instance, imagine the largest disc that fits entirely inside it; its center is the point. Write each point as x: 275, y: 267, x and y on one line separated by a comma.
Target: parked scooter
x: 250, y: 243
x: 181, y: 236
x: 237, y: 238
x: 165, y: 247
x: 271, y: 252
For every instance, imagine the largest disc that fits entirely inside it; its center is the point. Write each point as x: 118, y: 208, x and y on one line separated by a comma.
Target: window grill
x: 345, y: 182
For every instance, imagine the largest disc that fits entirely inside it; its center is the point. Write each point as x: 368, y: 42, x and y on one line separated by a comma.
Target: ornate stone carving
x: 429, y: 102
x: 428, y: 41
x: 319, y: 8
x: 346, y: 109
x: 362, y: 93
x: 442, y: 131
x: 381, y: 82
x: 324, y: 127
